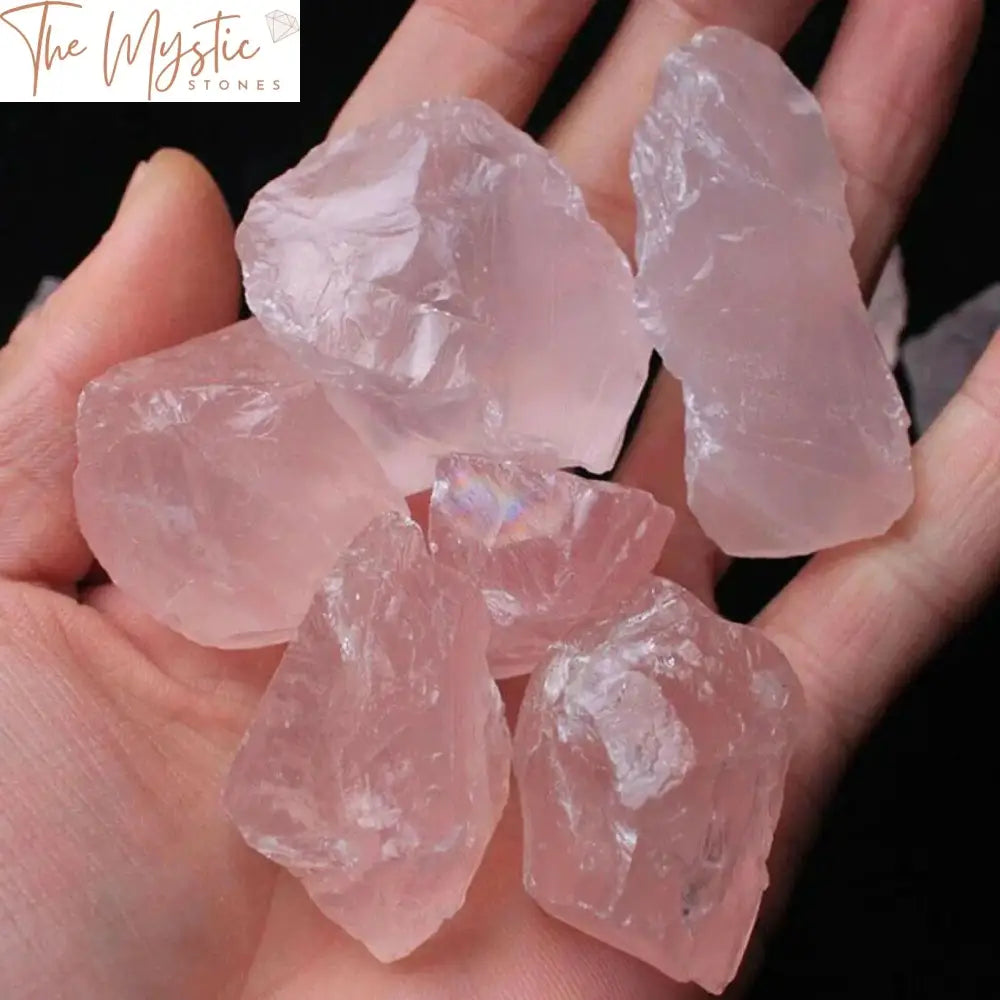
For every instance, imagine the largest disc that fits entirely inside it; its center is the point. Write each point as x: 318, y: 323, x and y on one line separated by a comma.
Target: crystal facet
x: 650, y: 754
x: 796, y: 432
x: 441, y: 269
x: 546, y: 548
x: 378, y: 763
x: 216, y: 485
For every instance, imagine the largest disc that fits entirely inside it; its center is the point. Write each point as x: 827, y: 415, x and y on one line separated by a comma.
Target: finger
x: 593, y: 136
x: 858, y: 621
x: 500, y: 53
x: 165, y: 271
x: 888, y: 91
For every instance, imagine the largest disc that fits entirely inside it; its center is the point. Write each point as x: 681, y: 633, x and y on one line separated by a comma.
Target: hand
x: 120, y: 876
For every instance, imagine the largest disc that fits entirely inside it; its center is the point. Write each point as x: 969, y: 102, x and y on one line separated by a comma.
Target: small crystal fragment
x: 546, y: 548
x: 439, y: 266
x: 937, y: 362
x: 889, y: 307
x: 46, y: 286
x: 216, y: 485
x: 796, y: 432
x: 378, y: 763
x: 650, y: 755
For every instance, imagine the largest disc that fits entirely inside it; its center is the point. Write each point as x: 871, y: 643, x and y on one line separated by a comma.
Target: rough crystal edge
x: 794, y: 713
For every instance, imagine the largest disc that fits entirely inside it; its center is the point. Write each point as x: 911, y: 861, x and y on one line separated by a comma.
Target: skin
x: 120, y: 876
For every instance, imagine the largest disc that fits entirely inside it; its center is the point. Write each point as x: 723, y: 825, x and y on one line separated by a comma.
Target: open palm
x: 119, y: 875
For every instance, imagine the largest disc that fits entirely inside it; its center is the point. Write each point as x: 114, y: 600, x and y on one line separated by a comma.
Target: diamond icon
x: 281, y: 25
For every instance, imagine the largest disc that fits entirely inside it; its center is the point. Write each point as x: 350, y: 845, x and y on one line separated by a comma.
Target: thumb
x: 165, y: 271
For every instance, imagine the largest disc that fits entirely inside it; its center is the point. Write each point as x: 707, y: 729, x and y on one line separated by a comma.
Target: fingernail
x: 134, y: 184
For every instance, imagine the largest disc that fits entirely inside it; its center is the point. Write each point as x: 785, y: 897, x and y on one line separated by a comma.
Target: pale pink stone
x: 796, y: 432
x: 378, y: 763
x: 442, y: 269
x: 650, y: 756
x: 938, y: 360
x: 216, y: 485
x: 889, y: 307
x: 547, y: 548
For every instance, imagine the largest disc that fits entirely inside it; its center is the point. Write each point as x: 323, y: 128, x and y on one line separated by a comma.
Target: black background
x: 898, y: 897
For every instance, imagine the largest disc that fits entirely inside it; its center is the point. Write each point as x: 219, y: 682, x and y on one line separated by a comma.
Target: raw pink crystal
x: 442, y: 269
x: 377, y: 765
x: 796, y: 432
x: 650, y: 755
x: 547, y: 548
x: 216, y: 485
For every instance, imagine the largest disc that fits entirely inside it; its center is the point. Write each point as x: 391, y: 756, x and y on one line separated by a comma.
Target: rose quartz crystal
x: 796, y: 432
x: 547, y: 548
x: 650, y: 755
x: 377, y: 765
x: 216, y: 485
x: 442, y: 270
